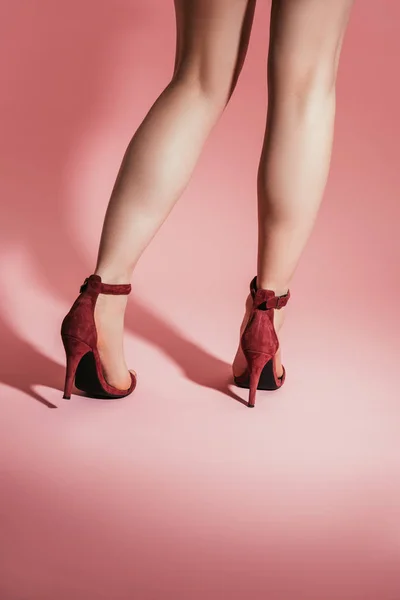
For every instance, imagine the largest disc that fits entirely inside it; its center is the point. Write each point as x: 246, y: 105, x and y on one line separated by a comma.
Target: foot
x: 109, y: 319
x: 239, y: 363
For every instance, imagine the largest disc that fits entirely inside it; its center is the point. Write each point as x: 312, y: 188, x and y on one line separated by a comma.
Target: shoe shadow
x: 23, y: 366
x: 199, y: 366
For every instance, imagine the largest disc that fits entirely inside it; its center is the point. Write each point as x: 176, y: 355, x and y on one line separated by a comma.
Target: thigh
x: 307, y: 34
x: 212, y: 40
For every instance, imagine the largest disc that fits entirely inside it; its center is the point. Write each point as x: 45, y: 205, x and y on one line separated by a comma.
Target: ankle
x: 113, y: 276
x: 279, y: 288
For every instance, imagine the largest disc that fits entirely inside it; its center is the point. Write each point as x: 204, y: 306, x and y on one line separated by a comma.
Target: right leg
x: 212, y: 38
x: 305, y: 42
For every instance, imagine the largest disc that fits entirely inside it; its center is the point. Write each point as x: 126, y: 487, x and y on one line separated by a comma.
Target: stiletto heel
x: 74, y: 350
x: 79, y: 336
x: 256, y: 363
x: 260, y: 344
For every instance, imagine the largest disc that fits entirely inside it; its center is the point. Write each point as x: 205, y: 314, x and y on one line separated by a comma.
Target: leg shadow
x: 199, y: 366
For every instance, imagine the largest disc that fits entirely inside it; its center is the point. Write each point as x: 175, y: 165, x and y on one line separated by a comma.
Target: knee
x: 304, y: 79
x: 318, y: 78
x: 212, y: 87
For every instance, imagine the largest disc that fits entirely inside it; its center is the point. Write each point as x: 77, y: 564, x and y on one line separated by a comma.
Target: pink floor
x: 179, y: 491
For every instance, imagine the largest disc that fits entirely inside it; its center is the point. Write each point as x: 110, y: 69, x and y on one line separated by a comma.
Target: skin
x: 212, y: 38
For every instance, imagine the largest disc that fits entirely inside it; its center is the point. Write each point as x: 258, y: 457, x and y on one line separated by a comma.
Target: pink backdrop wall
x: 179, y: 491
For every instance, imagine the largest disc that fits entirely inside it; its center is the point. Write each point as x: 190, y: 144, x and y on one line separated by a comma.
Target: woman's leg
x: 305, y: 43
x: 212, y: 39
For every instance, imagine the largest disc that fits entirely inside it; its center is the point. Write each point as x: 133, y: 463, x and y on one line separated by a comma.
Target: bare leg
x: 212, y: 39
x: 305, y: 43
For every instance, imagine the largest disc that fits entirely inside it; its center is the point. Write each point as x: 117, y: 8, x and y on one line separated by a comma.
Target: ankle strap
x: 266, y: 299
x: 93, y: 282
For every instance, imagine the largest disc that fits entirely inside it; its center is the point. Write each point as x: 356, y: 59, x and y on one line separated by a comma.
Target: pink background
x: 179, y: 491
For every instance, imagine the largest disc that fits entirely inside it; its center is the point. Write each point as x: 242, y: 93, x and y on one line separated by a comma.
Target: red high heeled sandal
x: 79, y: 336
x: 260, y: 343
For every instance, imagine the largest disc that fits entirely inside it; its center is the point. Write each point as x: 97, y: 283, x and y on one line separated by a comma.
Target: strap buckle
x: 278, y: 302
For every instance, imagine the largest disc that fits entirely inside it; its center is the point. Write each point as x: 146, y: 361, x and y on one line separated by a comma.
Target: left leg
x: 212, y: 38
